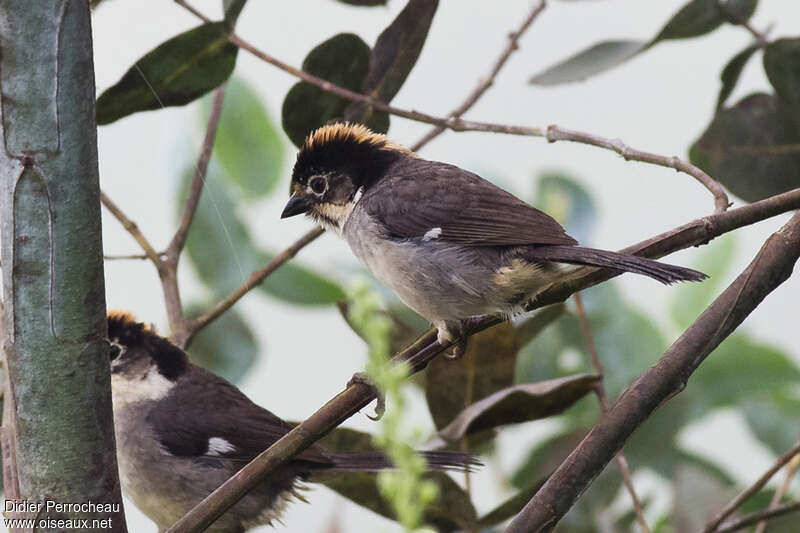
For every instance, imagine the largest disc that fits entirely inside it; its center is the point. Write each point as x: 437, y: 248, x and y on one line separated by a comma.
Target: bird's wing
x: 207, y: 417
x: 431, y: 200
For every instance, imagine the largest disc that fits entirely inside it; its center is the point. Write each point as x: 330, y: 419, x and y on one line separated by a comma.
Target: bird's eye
x: 318, y: 185
x: 114, y: 351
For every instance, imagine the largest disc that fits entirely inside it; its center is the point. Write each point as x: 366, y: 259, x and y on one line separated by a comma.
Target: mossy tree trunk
x: 60, y: 426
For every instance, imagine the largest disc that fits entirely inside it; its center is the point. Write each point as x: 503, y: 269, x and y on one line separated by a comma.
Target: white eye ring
x: 313, y: 185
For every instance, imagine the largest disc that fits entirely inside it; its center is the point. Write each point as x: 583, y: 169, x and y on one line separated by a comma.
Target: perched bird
x: 181, y: 431
x: 450, y: 244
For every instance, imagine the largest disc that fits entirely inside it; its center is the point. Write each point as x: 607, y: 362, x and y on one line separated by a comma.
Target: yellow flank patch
x: 520, y: 277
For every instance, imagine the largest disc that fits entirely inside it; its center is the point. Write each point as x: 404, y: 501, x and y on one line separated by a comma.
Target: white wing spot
x: 357, y: 195
x: 432, y: 234
x: 219, y: 446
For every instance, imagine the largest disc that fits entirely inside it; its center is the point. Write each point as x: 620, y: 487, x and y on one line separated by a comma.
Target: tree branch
x: 256, y: 278
x: 133, y: 229
x: 201, y: 168
x: 772, y: 266
x: 791, y: 469
x: 714, y: 523
x: 551, y: 133
x: 752, y: 518
x: 488, y: 81
x: 600, y: 392
x: 357, y: 395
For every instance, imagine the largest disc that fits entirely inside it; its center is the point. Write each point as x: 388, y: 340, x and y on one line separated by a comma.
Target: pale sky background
x: 659, y: 102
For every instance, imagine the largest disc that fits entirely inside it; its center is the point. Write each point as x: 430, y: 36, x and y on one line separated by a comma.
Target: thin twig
x: 358, y: 395
x: 734, y: 17
x: 600, y: 392
x: 714, y: 523
x: 488, y: 81
x: 256, y: 278
x: 200, y: 170
x: 551, y: 133
x: 791, y: 469
x: 752, y: 518
x: 133, y: 229
x: 123, y: 257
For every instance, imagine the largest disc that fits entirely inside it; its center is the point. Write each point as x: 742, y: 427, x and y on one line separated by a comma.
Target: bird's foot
x: 458, y: 349
x: 380, y: 399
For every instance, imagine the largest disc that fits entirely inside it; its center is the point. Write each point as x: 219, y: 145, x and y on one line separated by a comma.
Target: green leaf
x: 226, y: 347
x: 698, y: 497
x: 486, y: 367
x: 176, y: 72
x: 519, y: 403
x: 782, y: 65
x: 223, y: 253
x: 528, y: 329
x: 689, y: 300
x: 248, y: 145
x: 219, y: 244
x: 510, y: 507
x: 696, y: 18
x: 452, y: 511
x: 568, y: 202
x: 730, y: 74
x: 597, y: 58
x: 753, y: 148
x: 394, y: 55
x: 343, y: 60
x: 742, y: 368
x: 739, y: 11
x: 404, y: 329
x: 299, y: 285
x: 773, y: 419
x: 232, y: 10
x: 626, y: 342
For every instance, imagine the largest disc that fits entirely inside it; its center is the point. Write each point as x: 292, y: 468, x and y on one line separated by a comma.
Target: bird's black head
x: 137, y: 350
x: 335, y: 165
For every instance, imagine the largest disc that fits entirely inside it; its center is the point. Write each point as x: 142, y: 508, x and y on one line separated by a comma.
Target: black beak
x: 295, y: 206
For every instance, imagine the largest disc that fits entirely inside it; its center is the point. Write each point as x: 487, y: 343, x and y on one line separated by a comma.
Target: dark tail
x: 373, y: 461
x: 577, y: 255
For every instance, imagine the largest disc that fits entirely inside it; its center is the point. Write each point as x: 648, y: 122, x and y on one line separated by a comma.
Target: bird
x: 450, y: 244
x: 181, y: 431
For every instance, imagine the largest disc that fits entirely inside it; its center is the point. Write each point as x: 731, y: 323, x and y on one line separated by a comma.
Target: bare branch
x: 256, y: 278
x: 551, y: 133
x: 714, y: 523
x: 357, y: 395
x: 200, y: 170
x: 488, y: 81
x: 123, y: 257
x: 771, y: 267
x: 791, y: 469
x: 752, y: 518
x: 132, y: 228
x: 600, y: 392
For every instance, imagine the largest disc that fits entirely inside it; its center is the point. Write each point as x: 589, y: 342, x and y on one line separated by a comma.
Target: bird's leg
x: 380, y: 399
x: 453, y: 330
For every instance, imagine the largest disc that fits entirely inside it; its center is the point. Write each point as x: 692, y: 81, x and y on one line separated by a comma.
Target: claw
x: 458, y: 349
x: 380, y: 399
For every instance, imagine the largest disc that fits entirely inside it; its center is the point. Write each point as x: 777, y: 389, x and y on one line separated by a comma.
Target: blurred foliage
x: 248, y: 145
x: 227, y: 346
x: 404, y: 487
